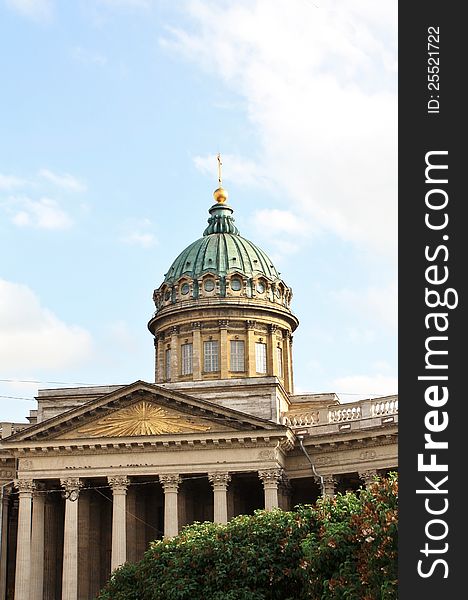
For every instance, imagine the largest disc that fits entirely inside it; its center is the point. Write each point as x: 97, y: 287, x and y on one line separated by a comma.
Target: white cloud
x: 139, y: 238
x: 377, y: 302
x: 44, y: 213
x: 37, y: 10
x: 278, y: 222
x: 357, y: 387
x: 132, y: 4
x: 32, y: 337
x: 319, y: 87
x: 138, y: 232
x: 10, y: 182
x: 65, y: 180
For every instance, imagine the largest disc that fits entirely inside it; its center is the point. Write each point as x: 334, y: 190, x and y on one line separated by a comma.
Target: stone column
x: 170, y: 483
x: 287, y: 361
x: 251, y: 367
x: 285, y: 494
x: 119, y: 485
x: 197, y: 353
x: 328, y: 486
x: 71, y: 487
x: 368, y: 476
x: 6, y: 492
x: 160, y: 369
x: 272, y: 355
x: 156, y: 358
x: 220, y: 482
x: 37, y: 542
x: 23, y: 548
x: 271, y: 479
x: 224, y: 350
x: 175, y: 353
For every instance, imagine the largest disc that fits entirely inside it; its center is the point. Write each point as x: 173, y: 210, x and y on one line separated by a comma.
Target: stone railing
x: 301, y: 420
x: 384, y: 406
x: 345, y: 413
x: 362, y: 411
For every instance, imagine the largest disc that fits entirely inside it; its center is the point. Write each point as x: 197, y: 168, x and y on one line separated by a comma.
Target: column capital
x: 195, y: 325
x: 219, y: 480
x: 272, y: 328
x: 250, y: 324
x: 170, y: 482
x: 71, y: 488
x: 368, y: 475
x: 25, y: 486
x: 223, y: 323
x: 329, y: 482
x: 271, y: 477
x: 118, y: 483
x: 39, y: 489
x: 174, y: 329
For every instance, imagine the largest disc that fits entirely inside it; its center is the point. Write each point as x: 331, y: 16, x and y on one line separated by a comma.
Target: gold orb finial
x: 220, y: 194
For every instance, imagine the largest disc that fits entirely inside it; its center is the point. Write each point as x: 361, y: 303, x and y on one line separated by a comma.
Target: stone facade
x: 99, y: 472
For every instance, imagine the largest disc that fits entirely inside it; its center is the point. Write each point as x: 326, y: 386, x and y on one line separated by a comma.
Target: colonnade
x: 29, y: 578
x: 30, y: 538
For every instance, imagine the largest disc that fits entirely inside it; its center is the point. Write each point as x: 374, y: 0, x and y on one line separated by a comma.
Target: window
x: 209, y: 285
x: 236, y: 284
x: 260, y: 358
x: 279, y: 357
x: 211, y: 356
x: 187, y: 359
x: 237, y: 355
x: 168, y: 364
x: 185, y: 289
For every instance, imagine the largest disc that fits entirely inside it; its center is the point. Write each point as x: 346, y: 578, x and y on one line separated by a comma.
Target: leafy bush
x: 341, y: 548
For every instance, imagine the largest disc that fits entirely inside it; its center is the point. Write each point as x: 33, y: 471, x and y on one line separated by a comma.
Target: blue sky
x: 111, y: 115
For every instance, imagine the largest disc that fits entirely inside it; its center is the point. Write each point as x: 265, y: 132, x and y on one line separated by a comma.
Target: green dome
x: 222, y: 265
x: 221, y: 251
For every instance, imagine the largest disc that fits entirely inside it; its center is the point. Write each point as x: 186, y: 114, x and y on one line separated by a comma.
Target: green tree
x: 341, y: 548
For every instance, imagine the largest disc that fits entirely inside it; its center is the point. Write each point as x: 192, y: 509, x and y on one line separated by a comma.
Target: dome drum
x: 222, y: 311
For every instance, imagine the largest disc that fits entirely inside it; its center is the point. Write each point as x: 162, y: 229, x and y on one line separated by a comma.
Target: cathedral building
x: 99, y: 472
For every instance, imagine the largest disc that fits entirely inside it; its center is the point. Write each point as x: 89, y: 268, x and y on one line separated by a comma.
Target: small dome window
x: 185, y: 289
x: 236, y: 284
x: 209, y: 285
x: 167, y: 295
x: 261, y: 287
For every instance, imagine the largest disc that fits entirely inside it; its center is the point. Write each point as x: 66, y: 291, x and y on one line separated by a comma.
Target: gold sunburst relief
x: 143, y: 418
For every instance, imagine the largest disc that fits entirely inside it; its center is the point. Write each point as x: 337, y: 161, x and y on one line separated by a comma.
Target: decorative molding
x: 170, y: 482
x: 219, y: 480
x: 118, y: 483
x: 368, y: 476
x: 329, y: 482
x: 25, y: 486
x: 223, y: 323
x: 71, y: 488
x: 271, y: 477
x: 140, y: 419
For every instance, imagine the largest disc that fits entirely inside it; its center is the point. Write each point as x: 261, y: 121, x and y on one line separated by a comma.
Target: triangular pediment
x: 141, y: 410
